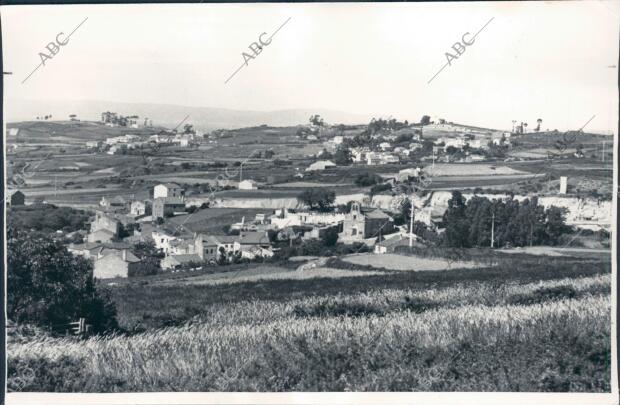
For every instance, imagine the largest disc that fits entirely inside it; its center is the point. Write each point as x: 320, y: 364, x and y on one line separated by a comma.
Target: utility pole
x: 240, y: 172
x: 492, y: 229
x: 411, y: 227
x: 531, y: 232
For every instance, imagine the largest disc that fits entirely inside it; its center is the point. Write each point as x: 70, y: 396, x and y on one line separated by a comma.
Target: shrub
x: 328, y: 308
x: 543, y: 294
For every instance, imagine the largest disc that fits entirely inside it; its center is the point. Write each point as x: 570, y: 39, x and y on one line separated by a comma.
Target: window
x: 354, y: 216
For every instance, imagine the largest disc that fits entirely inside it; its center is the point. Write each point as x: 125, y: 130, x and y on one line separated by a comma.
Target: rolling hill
x: 167, y: 115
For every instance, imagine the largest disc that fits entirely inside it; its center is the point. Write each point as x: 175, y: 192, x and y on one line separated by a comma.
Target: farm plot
x: 470, y: 169
x: 266, y: 273
x: 392, y: 261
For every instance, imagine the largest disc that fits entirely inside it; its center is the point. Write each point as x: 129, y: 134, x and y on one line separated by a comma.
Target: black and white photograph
x: 308, y: 203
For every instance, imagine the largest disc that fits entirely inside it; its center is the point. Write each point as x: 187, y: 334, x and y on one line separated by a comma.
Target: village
x: 165, y: 226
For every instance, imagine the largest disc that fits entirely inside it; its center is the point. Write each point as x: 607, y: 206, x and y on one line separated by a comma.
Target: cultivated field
x: 407, y: 263
x: 528, y: 324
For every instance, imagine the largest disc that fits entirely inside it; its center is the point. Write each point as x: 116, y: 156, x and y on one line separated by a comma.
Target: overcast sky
x: 555, y: 61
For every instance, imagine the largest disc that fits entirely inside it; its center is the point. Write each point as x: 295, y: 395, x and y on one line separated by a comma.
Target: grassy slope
x: 466, y: 330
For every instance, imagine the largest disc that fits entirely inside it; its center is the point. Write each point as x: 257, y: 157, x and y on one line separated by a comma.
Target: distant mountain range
x: 168, y: 115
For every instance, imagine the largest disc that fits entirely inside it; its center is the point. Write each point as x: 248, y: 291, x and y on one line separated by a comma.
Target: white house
x: 282, y: 219
x: 140, y: 208
x: 359, y: 154
x: 321, y: 165
x: 248, y: 185
x: 167, y: 190
x: 385, y: 145
x: 338, y: 140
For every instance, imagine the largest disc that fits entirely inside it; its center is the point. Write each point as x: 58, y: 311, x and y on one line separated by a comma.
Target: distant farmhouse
x: 167, y: 206
x: 111, y: 259
x: 168, y: 190
x: 321, y: 165
x: 114, y: 204
x: 141, y: 208
x: 248, y: 185
x: 16, y: 198
x: 104, y: 228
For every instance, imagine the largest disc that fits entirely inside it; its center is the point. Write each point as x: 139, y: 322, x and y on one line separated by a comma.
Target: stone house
x: 115, y: 263
x: 175, y: 261
x: 167, y: 206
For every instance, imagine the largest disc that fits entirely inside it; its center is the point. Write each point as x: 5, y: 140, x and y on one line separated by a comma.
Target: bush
x: 379, y: 188
x: 542, y: 295
x: 328, y: 308
x: 366, y: 179
x: 48, y: 218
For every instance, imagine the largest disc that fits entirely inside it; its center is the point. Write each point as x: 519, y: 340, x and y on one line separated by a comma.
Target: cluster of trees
x: 323, y: 247
x: 342, y: 156
x: 377, y: 125
x: 318, y: 199
x: 48, y: 218
x: 514, y: 223
x: 268, y: 154
x: 45, y: 117
x: 317, y: 120
x: 366, y: 179
x: 150, y: 257
x: 49, y: 287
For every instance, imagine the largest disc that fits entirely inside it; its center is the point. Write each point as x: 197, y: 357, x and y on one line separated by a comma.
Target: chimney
x: 124, y: 255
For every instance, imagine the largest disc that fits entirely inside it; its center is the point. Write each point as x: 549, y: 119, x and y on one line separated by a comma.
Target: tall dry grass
x: 457, y: 338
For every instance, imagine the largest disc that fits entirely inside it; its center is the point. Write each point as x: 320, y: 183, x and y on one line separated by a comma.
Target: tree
x: 366, y: 179
x: 330, y: 236
x: 325, y: 154
x: 188, y: 129
x: 150, y: 257
x: 317, y: 198
x: 457, y: 227
x: 47, y: 285
x: 342, y: 157
x: 425, y: 120
x: 555, y: 225
x: 538, y: 121
x: 269, y: 154
x: 317, y: 120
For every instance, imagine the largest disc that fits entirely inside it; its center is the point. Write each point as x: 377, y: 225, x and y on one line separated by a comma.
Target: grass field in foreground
x: 538, y: 325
